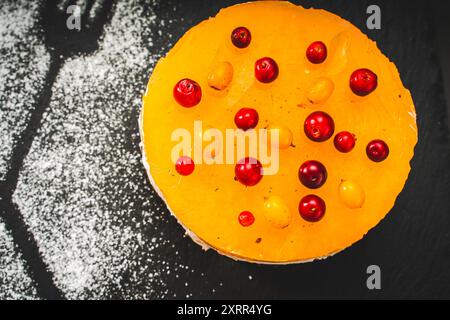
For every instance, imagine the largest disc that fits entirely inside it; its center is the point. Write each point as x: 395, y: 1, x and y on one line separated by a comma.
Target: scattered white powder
x: 14, y: 281
x: 23, y: 66
x: 62, y: 4
x: 83, y: 190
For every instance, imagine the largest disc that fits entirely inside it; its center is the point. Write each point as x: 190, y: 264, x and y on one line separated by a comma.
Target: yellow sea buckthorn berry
x: 339, y: 47
x: 284, y: 136
x: 220, y: 76
x: 320, y: 90
x: 277, y: 212
x: 352, y: 194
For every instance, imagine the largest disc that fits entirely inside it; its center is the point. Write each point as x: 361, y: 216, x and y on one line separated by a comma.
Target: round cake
x: 335, y: 131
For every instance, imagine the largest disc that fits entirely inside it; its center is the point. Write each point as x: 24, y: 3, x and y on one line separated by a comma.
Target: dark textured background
x: 412, y: 245
x: 441, y: 22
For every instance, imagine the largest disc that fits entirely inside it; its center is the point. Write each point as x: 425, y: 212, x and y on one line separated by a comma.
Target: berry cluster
x: 319, y: 126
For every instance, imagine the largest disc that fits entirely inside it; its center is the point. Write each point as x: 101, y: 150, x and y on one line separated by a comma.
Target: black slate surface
x: 411, y: 246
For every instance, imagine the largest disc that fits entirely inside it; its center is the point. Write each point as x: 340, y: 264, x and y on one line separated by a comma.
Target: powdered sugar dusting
x: 14, y: 281
x: 23, y: 68
x: 82, y: 190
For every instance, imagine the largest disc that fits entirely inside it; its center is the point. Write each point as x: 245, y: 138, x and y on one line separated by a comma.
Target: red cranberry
x: 344, y: 141
x: 248, y: 171
x: 185, y: 165
x: 363, y: 82
x: 187, y: 93
x: 241, y: 37
x: 319, y: 126
x: 312, y: 208
x: 246, y: 118
x: 312, y: 174
x: 316, y: 52
x: 246, y: 218
x: 377, y: 150
x: 266, y: 70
